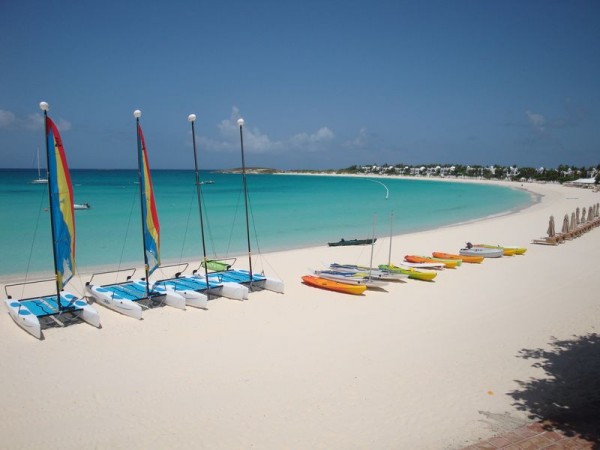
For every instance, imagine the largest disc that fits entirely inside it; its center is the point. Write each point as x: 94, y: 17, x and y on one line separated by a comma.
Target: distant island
x: 562, y: 174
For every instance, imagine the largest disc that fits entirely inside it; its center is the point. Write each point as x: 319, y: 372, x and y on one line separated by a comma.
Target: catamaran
x: 35, y: 313
x: 132, y: 295
x: 196, y: 289
x: 222, y: 271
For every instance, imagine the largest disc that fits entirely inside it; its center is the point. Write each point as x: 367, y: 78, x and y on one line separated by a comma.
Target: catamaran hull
x: 234, y: 291
x: 120, y: 305
x: 192, y: 298
x: 24, y: 318
x: 273, y: 284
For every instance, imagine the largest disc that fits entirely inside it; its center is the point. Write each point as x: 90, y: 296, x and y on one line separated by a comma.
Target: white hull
x: 351, y: 279
x: 31, y: 323
x: 24, y: 318
x: 377, y: 274
x: 120, y: 305
x: 482, y: 251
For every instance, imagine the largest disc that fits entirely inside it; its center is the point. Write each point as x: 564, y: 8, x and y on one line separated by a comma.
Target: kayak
x: 448, y: 263
x: 481, y: 251
x: 331, y: 285
x: 412, y: 273
x: 350, y: 278
x: 363, y: 271
x: 508, y: 250
x: 463, y: 258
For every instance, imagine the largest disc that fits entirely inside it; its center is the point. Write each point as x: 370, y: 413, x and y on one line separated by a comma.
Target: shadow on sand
x: 569, y: 398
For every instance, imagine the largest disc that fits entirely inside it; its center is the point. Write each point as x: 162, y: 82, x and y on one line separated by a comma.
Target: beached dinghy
x: 364, y: 271
x: 463, y: 258
x: 471, y: 250
x: 350, y: 278
x: 35, y: 313
x: 445, y: 263
x: 507, y: 250
x: 411, y: 272
x: 130, y: 296
x: 331, y: 285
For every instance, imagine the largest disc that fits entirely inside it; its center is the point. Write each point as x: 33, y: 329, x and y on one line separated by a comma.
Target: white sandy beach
x: 421, y: 366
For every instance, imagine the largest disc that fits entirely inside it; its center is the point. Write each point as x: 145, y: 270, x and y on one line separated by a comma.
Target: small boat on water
x: 81, y: 206
x: 471, y: 250
x: 464, y: 258
x: 331, y: 285
x: 344, y: 242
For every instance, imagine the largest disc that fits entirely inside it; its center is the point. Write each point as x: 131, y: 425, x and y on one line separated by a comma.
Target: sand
x: 419, y: 366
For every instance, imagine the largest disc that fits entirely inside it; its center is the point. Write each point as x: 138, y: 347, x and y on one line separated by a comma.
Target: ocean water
x: 286, y: 211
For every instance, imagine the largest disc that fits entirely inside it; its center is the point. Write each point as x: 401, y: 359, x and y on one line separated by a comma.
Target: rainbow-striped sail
x: 151, y: 227
x: 61, y: 205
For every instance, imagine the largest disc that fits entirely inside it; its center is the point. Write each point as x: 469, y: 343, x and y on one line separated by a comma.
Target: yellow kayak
x: 448, y: 263
x: 507, y: 251
x: 356, y: 289
x: 412, y: 273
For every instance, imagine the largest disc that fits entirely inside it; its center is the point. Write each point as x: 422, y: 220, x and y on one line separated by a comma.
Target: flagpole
x: 192, y: 119
x: 45, y: 107
x: 137, y: 114
x: 240, y: 123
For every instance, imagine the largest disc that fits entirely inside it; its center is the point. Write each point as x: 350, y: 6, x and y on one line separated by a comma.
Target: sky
x: 320, y: 84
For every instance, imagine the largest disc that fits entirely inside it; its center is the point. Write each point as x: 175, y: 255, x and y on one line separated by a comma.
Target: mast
x: 45, y: 107
x: 38, y: 152
x: 240, y: 123
x: 372, y: 247
x: 192, y: 119
x: 391, y: 226
x: 137, y: 114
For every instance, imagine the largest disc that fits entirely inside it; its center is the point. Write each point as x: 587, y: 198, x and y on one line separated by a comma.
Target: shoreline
x: 88, y: 270
x: 417, y: 365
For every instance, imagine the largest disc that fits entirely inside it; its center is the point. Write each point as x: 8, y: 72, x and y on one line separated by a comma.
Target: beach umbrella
x: 590, y: 214
x: 551, y: 231
x: 565, y: 227
x: 577, y: 215
x: 583, y: 215
x: 573, y: 223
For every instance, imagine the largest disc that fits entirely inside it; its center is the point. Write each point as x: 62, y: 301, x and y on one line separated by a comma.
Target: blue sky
x: 320, y: 84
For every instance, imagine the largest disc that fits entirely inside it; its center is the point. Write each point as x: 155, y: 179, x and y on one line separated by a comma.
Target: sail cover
x: 149, y: 215
x: 61, y: 204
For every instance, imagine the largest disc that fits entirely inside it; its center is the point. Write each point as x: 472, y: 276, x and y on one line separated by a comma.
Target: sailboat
x: 39, y: 179
x: 406, y: 268
x: 223, y: 271
x: 196, y: 289
x: 35, y: 313
x: 133, y: 295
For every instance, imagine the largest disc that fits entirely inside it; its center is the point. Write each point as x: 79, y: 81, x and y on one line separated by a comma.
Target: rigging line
x: 133, y: 201
x: 43, y: 196
x: 187, y: 224
x: 206, y: 216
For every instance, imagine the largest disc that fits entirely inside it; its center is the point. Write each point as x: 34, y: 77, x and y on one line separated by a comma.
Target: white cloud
x: 536, y: 120
x: 7, y: 119
x: 360, y: 140
x: 33, y: 122
x: 256, y: 141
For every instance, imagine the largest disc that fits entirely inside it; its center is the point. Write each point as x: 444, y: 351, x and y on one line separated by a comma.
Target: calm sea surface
x: 286, y: 211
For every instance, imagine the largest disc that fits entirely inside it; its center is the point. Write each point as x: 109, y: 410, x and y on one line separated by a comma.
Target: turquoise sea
x: 286, y: 211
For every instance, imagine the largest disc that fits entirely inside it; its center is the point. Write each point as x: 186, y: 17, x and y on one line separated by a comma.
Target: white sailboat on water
x: 39, y: 179
x: 33, y: 314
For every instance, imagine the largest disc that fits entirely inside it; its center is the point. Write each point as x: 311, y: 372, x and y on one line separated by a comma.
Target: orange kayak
x: 448, y: 263
x: 322, y: 283
x: 467, y: 259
